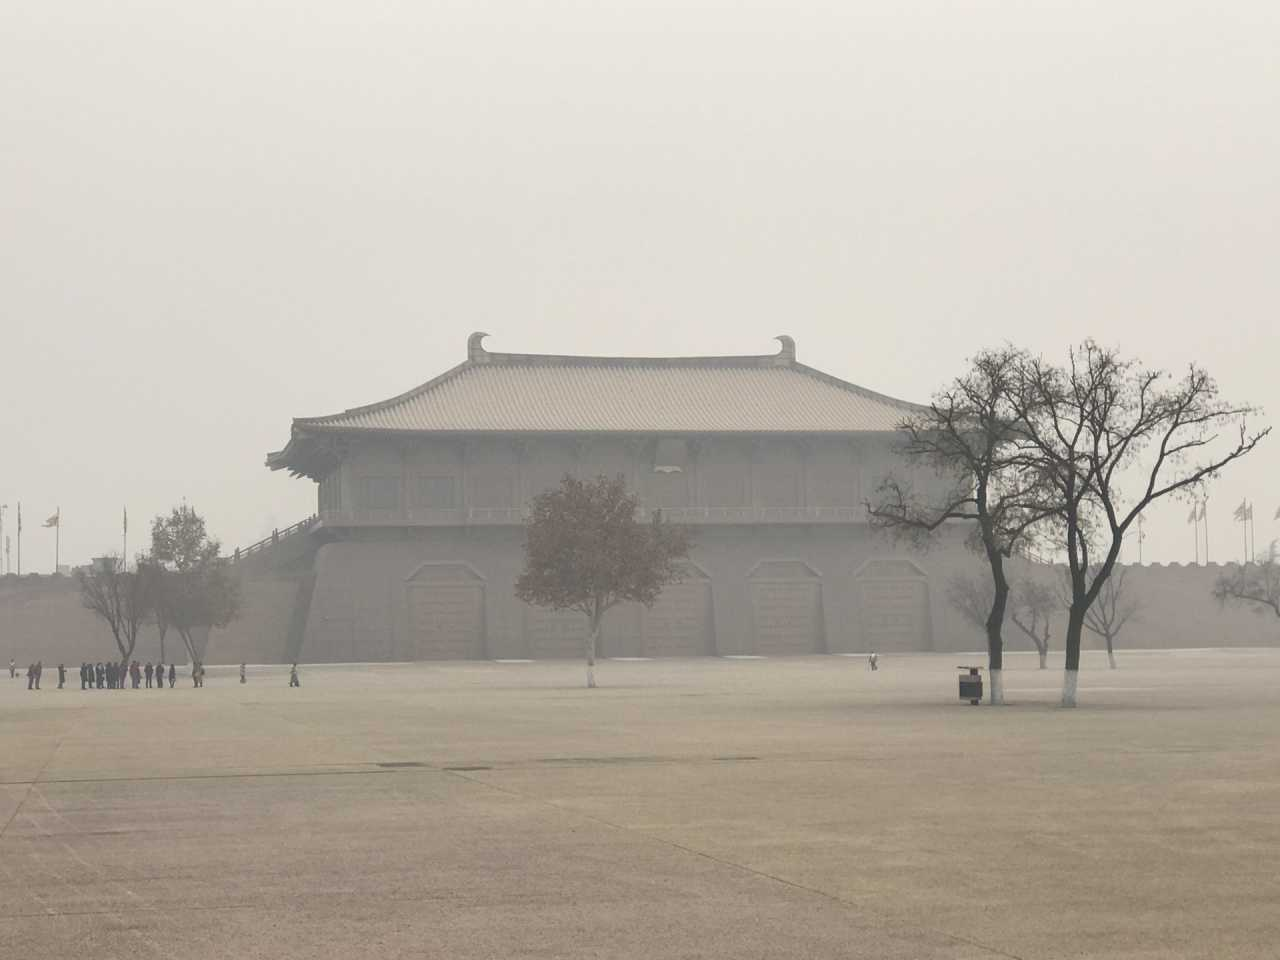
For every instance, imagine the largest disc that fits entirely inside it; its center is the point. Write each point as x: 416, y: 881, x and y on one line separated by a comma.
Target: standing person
x: 149, y: 671
x: 31, y: 676
x: 39, y: 670
x: 159, y: 676
x: 135, y: 671
x: 113, y: 672
x: 873, y: 661
x: 97, y: 674
x: 242, y: 677
x: 293, y: 676
x: 13, y: 669
x: 173, y: 675
x: 62, y: 675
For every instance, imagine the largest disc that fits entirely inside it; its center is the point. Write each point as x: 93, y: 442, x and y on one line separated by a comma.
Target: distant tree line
x: 180, y: 584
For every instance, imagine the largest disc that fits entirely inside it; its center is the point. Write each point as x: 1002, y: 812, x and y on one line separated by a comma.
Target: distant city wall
x: 41, y: 618
x: 750, y: 590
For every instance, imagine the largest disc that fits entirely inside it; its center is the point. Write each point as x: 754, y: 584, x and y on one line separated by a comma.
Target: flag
x: 1191, y: 517
x: 1239, y: 513
x: 52, y: 521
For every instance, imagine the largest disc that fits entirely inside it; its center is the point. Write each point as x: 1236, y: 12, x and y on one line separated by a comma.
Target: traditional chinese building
x: 421, y: 500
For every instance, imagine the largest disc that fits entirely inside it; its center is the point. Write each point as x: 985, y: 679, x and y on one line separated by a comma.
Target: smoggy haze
x: 214, y: 218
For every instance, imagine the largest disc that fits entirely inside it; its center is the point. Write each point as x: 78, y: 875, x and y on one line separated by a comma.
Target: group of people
x: 115, y: 676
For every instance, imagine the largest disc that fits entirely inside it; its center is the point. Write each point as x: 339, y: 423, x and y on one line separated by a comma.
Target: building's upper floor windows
x: 379, y: 493
x: 436, y: 492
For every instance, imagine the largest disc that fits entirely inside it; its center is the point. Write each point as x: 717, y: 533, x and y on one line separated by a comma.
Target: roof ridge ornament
x: 476, y: 352
x: 787, y: 353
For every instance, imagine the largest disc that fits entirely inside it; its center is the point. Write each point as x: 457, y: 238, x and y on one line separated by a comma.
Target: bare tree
x: 121, y: 599
x: 1114, y: 608
x: 586, y: 551
x: 1031, y: 608
x: 968, y: 437
x: 1256, y: 584
x: 971, y: 596
x: 1086, y: 426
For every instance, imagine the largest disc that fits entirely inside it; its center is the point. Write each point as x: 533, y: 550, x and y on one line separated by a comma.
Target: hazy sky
x: 217, y: 216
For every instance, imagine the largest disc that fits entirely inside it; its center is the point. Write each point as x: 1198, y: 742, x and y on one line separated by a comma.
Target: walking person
x: 13, y: 669
x: 173, y: 675
x: 242, y: 677
x: 293, y: 676
x: 62, y: 675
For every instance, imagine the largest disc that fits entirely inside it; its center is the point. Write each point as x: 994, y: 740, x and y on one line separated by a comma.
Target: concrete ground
x: 688, y: 808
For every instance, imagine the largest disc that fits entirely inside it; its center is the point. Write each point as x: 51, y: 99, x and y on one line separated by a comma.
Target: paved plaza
x: 801, y: 807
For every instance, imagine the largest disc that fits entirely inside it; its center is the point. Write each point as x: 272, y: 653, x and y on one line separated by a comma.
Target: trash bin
x: 971, y: 684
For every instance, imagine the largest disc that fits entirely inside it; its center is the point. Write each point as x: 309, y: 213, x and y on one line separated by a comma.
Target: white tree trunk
x: 591, y: 656
x: 1044, y: 659
x: 1069, y: 680
x: 996, y: 697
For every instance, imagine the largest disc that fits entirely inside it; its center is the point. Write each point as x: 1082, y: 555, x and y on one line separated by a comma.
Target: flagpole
x: 1253, y: 535
x: 19, y: 538
x: 1195, y: 522
x: 124, y: 541
x: 57, y: 542
x: 1205, y: 513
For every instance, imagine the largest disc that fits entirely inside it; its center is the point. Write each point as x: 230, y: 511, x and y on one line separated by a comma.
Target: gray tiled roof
x: 495, y: 392
x: 534, y: 393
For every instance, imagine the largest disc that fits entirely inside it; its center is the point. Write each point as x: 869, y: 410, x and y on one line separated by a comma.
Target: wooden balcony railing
x: 302, y: 526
